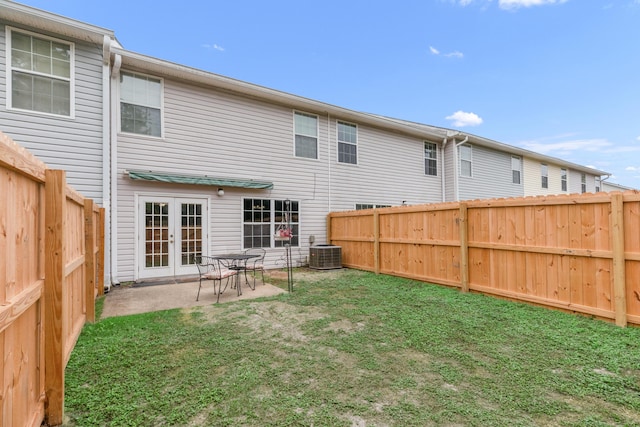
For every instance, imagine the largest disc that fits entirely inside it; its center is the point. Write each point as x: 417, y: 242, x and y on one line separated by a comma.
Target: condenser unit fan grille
x: 325, y: 257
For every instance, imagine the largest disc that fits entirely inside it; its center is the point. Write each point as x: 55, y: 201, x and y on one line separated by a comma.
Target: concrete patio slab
x: 134, y: 299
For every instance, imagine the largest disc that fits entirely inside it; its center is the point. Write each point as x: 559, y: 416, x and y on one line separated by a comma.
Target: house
x: 54, y: 94
x: 610, y: 186
x: 189, y: 162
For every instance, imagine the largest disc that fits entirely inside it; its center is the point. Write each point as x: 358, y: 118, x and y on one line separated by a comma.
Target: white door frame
x: 170, y: 246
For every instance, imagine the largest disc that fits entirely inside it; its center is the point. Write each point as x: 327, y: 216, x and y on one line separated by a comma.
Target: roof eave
x: 478, y: 140
x: 19, y: 14
x: 169, y: 69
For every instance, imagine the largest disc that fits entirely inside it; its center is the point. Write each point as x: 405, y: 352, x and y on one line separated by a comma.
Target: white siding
x: 390, y: 171
x: 215, y: 133
x: 491, y: 178
x: 74, y: 145
x: 533, y: 179
x: 610, y: 186
x: 575, y: 186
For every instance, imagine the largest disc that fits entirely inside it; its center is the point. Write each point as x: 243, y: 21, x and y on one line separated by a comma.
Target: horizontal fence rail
x: 51, y: 270
x: 574, y: 252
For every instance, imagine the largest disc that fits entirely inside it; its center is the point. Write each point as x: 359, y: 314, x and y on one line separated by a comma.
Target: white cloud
x: 638, y: 138
x: 213, y: 47
x: 462, y: 119
x: 567, y: 148
x: 454, y: 54
x: 515, y: 4
x: 632, y: 169
x: 460, y: 2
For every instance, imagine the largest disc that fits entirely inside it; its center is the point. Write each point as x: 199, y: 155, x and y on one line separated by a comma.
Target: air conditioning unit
x: 325, y: 257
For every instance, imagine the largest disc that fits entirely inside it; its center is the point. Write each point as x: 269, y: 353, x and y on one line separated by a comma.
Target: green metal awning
x: 199, y: 180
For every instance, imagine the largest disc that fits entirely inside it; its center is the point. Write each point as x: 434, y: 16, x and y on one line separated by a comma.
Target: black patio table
x: 238, y: 263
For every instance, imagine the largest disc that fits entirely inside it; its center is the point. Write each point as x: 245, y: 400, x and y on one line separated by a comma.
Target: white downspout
x: 329, y: 156
x: 106, y: 160
x: 455, y: 168
x: 443, y: 184
x: 115, y: 76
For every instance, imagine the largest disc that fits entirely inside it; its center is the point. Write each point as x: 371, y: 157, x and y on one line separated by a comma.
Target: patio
x: 143, y: 298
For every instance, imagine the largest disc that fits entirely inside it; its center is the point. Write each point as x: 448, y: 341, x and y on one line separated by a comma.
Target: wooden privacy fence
x: 575, y: 252
x: 51, y: 270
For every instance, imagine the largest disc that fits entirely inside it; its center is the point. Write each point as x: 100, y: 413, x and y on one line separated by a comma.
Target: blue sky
x: 559, y: 77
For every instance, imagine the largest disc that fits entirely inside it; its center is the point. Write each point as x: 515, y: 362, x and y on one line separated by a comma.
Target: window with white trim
x: 466, y: 161
x: 262, y: 218
x: 516, y: 169
x: 430, y: 159
x: 544, y: 175
x: 39, y: 73
x: 347, y: 143
x: 583, y: 182
x: 563, y: 179
x: 598, y: 182
x: 140, y: 104
x: 306, y: 135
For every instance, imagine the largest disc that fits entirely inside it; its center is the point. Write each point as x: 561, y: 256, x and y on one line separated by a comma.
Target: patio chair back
x: 209, y: 269
x: 256, y: 264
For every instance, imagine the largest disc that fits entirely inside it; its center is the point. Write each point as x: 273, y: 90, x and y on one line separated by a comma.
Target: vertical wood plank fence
x: 574, y: 252
x: 51, y: 271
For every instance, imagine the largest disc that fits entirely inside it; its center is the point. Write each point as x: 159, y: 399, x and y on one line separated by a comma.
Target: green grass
x: 356, y: 349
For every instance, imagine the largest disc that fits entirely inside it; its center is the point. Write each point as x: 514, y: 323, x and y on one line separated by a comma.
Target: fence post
x: 376, y: 241
x: 617, y: 246
x: 55, y: 200
x: 329, y: 228
x: 89, y: 261
x: 464, y: 248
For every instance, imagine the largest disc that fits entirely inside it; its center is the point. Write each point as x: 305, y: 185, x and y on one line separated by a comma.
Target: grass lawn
x: 356, y: 349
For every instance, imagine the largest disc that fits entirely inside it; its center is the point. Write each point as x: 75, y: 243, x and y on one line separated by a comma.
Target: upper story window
x: 347, y: 143
x: 140, y: 104
x: 430, y: 159
x: 598, y: 183
x: 306, y: 135
x: 362, y: 206
x: 516, y: 169
x: 465, y: 160
x: 583, y: 182
x: 563, y: 179
x: 40, y: 73
x: 544, y: 174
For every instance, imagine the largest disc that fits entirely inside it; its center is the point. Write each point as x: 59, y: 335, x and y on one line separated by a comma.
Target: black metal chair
x: 256, y: 264
x: 210, y: 269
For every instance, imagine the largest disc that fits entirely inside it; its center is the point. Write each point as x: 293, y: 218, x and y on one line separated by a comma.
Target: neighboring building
x: 610, y: 186
x: 189, y: 162
x: 480, y: 168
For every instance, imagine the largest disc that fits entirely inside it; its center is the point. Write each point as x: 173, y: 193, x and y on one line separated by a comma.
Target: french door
x: 171, y: 231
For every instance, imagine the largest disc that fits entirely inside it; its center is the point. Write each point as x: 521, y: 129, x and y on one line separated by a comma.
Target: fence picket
x: 563, y: 251
x: 41, y: 309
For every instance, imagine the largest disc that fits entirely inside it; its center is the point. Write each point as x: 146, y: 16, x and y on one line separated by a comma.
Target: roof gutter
x: 148, y: 64
x: 47, y: 21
